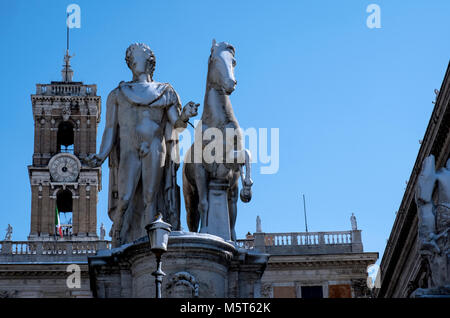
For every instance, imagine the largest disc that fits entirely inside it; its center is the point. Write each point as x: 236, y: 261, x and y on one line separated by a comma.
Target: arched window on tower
x: 65, y: 137
x: 64, y: 203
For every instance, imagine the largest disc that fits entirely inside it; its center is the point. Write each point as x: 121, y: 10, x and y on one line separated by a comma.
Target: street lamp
x: 158, y: 235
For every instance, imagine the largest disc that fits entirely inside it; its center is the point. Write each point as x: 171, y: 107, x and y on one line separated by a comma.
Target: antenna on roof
x: 67, y: 48
x: 304, y: 211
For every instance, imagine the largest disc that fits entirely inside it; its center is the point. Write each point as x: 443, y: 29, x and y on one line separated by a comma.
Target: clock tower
x: 66, y: 115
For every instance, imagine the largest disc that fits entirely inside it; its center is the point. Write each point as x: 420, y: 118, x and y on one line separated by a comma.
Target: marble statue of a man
x: 433, y: 204
x: 143, y: 119
x: 102, y: 232
x: 353, y: 222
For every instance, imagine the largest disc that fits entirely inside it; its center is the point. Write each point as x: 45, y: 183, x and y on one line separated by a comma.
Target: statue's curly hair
x: 146, y: 49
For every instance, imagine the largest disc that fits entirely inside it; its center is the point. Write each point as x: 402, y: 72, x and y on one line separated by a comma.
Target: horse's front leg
x: 232, y: 206
x: 247, y: 182
x: 201, y: 180
x: 240, y: 159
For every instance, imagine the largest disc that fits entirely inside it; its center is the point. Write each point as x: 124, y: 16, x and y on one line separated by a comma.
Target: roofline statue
x: 9, y: 231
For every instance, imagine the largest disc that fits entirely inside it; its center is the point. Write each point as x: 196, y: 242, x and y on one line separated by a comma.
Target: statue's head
x: 221, y: 66
x: 140, y: 59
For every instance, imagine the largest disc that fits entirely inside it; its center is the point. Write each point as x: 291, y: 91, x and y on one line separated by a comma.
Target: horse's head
x: 221, y: 67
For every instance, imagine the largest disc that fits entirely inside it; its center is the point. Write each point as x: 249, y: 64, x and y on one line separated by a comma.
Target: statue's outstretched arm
x: 177, y: 117
x: 109, y: 135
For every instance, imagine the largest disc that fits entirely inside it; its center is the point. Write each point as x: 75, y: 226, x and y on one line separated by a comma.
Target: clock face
x: 64, y: 168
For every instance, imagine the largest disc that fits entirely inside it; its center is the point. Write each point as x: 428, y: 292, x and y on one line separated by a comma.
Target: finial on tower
x: 67, y: 72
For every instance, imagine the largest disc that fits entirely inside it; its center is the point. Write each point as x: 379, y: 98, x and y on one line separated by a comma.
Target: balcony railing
x: 52, y: 247
x: 246, y: 243
x: 68, y: 149
x: 307, y: 241
x: 310, y: 238
x: 350, y: 240
x: 60, y: 89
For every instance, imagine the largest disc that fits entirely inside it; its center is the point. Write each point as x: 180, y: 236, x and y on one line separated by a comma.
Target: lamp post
x: 158, y: 235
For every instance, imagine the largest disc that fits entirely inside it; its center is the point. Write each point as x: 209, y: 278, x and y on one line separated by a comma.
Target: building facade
x: 313, y: 264
x: 403, y: 270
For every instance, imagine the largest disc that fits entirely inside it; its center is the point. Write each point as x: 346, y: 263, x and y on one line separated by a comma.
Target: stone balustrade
x: 41, y: 250
x: 272, y: 243
x: 308, y: 242
x: 64, y: 89
x: 245, y: 243
x: 310, y: 238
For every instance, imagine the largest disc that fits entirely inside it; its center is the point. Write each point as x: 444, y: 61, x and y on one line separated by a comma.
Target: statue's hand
x: 190, y: 110
x: 94, y: 160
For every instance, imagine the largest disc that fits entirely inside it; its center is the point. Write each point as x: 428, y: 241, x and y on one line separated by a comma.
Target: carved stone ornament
x: 183, y: 285
x: 266, y: 290
x: 65, y: 113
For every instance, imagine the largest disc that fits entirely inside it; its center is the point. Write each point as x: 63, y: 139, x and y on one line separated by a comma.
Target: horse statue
x: 199, y: 175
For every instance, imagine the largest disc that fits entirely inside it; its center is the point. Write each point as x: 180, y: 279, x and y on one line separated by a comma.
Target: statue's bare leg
x: 152, y: 172
x: 201, y: 181
x: 129, y: 174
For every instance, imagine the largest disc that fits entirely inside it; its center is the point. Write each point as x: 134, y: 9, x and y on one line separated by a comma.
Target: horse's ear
x: 213, y: 45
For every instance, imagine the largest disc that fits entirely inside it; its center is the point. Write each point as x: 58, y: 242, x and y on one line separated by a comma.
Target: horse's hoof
x: 246, y: 195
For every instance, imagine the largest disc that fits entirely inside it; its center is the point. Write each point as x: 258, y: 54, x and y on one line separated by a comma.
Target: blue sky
x: 351, y: 102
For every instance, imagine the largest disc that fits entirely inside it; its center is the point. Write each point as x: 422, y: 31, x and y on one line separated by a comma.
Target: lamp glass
x: 158, y: 235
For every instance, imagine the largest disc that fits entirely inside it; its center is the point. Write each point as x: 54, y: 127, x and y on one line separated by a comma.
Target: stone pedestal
x: 439, y: 275
x: 439, y: 292
x: 196, y: 265
x: 217, y: 218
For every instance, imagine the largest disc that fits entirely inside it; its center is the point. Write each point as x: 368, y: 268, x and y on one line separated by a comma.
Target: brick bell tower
x: 66, y: 115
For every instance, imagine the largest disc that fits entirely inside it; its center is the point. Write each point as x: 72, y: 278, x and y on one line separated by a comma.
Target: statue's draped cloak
x: 168, y: 196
